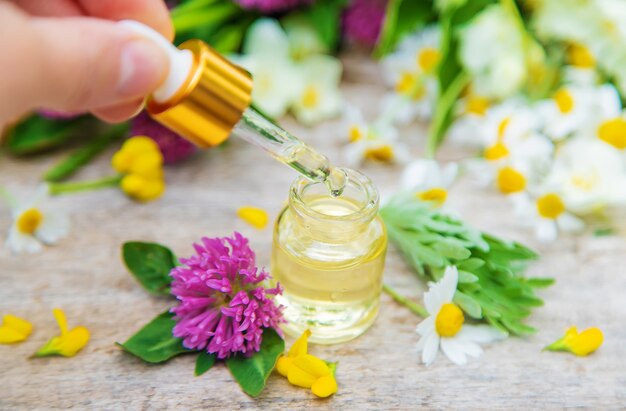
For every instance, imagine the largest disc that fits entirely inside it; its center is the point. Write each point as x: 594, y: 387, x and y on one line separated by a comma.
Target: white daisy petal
x: 570, y: 223
x: 481, y: 334
x: 19, y: 243
x: 430, y: 348
x: 453, y: 349
x: 426, y: 326
x: 442, y: 291
x: 546, y: 230
x: 53, y: 227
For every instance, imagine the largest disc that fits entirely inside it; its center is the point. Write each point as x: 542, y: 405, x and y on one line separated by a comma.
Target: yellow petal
x: 254, y: 216
x: 300, y: 347
x: 299, y: 377
x: 324, y: 386
x: 311, y: 365
x: 14, y: 329
x: 148, y: 164
x: 141, y: 188
x: 587, y: 341
x: 68, y: 343
x: 283, y: 364
x: 121, y: 161
x: 140, y: 144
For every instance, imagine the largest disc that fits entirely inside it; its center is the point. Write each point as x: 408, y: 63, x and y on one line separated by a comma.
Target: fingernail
x: 143, y: 67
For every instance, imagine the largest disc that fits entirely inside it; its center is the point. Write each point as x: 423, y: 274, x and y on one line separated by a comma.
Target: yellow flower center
x: 477, y: 105
x: 510, y: 180
x: 410, y: 84
x: 428, y: 58
x: 382, y: 153
x: 613, y: 132
x: 496, y: 152
x: 564, y: 101
x: 436, y: 194
x: 550, y: 206
x: 585, y: 183
x: 355, y: 134
x: 449, y: 320
x: 29, y: 221
x: 580, y: 56
x: 310, y: 98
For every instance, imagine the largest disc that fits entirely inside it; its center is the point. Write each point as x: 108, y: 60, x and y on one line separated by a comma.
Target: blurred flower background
x: 531, y: 90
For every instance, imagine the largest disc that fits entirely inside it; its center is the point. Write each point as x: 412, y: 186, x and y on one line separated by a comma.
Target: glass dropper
x: 256, y: 129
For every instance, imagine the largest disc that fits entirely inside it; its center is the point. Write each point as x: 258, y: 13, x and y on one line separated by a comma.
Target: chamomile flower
x: 573, y: 108
x: 35, y: 224
x: 376, y: 142
x: 429, y: 180
x: 549, y: 216
x: 446, y: 328
x: 471, y: 111
x: 410, y: 70
x: 589, y: 175
x: 319, y: 98
x: 267, y: 56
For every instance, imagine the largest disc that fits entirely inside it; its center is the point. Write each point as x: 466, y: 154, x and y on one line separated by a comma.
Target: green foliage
x: 155, y: 343
x: 220, y: 23
x: 204, y: 363
x: 401, y: 18
x: 151, y: 264
x: 491, y: 282
x: 325, y: 17
x: 252, y: 372
x: 37, y: 134
x: 84, y: 155
x: 451, y: 76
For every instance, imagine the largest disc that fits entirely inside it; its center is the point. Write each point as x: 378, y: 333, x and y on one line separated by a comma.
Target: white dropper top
x: 180, y: 61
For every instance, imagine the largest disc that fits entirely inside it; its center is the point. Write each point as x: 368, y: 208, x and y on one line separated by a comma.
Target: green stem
x: 190, y: 6
x: 205, y: 18
x: 82, y: 156
x: 67, y: 188
x: 414, y: 307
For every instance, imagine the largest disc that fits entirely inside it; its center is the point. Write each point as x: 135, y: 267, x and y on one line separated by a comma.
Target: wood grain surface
x: 84, y: 275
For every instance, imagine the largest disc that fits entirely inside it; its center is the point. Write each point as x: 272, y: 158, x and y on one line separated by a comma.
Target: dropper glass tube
x: 256, y: 129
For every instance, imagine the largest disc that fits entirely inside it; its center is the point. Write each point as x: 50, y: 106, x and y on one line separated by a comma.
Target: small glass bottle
x: 329, y: 255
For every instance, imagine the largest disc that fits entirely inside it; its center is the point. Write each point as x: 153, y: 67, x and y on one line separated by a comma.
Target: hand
x: 70, y: 55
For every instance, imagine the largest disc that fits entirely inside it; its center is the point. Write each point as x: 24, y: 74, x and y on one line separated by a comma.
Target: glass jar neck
x: 334, y: 219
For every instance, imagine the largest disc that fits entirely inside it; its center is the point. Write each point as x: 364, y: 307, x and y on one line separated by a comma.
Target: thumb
x: 76, y: 63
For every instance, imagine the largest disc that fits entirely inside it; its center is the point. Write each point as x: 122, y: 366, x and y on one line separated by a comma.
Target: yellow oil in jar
x: 331, y: 271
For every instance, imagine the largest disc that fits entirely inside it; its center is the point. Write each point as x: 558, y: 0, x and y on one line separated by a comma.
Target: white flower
x: 467, y: 127
x: 376, y: 142
x: 319, y: 98
x: 574, y: 109
x: 445, y: 326
x: 34, y: 224
x: 549, y: 215
x: 267, y: 56
x: 410, y: 71
x: 491, y: 49
x: 589, y: 175
x: 429, y: 180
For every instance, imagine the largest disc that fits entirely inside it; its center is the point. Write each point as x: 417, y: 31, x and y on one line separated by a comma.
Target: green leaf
x: 540, y: 282
x: 468, y: 304
x: 82, y: 156
x: 204, y: 362
x: 151, y: 264
x: 252, y: 373
x: 155, y: 343
x: 471, y: 264
x: 401, y: 18
x: 451, y: 250
x: 467, y: 277
x: 37, y: 134
x: 325, y: 17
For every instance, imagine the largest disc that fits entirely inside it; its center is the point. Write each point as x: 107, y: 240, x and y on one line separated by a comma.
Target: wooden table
x: 84, y: 275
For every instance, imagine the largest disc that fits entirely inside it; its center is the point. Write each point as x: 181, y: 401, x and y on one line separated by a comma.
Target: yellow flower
x: 14, y: 329
x: 141, y: 162
x: 256, y: 217
x: 68, y: 343
x: 307, y: 371
x: 580, y: 344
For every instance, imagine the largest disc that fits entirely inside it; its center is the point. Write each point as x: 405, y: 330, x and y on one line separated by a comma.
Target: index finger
x: 151, y: 12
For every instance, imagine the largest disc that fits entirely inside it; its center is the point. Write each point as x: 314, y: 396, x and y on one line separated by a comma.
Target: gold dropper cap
x: 210, y: 102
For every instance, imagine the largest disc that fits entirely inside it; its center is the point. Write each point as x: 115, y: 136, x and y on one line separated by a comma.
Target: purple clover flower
x: 363, y: 20
x: 224, y: 305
